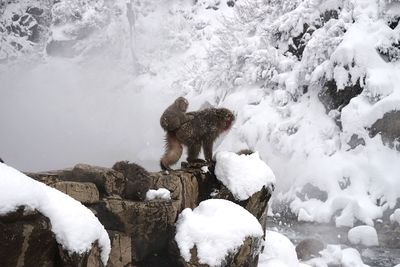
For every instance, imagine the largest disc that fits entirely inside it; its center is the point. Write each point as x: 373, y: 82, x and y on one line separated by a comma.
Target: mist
x: 60, y: 113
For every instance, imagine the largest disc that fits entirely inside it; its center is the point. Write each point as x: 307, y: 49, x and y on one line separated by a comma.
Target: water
x: 383, y: 256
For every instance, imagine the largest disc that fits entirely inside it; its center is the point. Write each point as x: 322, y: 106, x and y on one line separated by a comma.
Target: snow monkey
x: 200, y: 131
x: 138, y: 180
x: 175, y: 115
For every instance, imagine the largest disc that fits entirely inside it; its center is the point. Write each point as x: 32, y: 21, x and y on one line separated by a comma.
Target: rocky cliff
x: 141, y: 232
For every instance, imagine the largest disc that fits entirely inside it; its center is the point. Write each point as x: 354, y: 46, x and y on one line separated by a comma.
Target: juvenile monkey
x: 175, y: 115
x: 138, y: 180
x: 200, y: 131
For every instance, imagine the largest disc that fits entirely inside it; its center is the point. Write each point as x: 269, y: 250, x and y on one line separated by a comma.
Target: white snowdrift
x: 76, y: 228
x: 161, y: 193
x: 243, y: 175
x: 395, y: 217
x: 335, y: 256
x: 363, y: 235
x: 278, y: 251
x: 216, y: 227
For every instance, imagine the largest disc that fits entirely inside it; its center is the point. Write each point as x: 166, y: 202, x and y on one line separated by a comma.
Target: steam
x: 60, y: 113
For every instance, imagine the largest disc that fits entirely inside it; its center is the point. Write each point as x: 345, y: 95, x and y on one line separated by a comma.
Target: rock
x: 84, y: 192
x: 389, y: 128
x: 149, y: 224
x: 334, y: 99
x: 309, y: 248
x: 142, y: 232
x: 108, y: 181
x: 120, y: 254
x: 26, y: 240
x: 310, y: 191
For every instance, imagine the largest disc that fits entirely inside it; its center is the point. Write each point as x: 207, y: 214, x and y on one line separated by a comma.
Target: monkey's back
x: 204, y: 123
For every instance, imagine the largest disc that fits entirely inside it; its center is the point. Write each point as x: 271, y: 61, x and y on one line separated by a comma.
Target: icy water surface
x: 382, y: 256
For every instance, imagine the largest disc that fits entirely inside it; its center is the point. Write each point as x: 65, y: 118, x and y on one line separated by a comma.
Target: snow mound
x: 333, y: 255
x: 243, y: 175
x: 395, y: 217
x: 278, y: 251
x: 76, y: 228
x: 363, y: 235
x: 160, y: 193
x: 216, y: 227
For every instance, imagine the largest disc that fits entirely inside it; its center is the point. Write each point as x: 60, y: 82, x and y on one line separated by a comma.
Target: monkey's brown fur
x: 175, y: 115
x: 200, y: 131
x: 138, y: 180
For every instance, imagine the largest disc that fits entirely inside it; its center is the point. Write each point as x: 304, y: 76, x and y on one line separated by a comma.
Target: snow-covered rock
x: 243, y: 175
x: 161, y: 193
x: 75, y: 227
x: 363, y: 235
x: 278, y: 249
x: 216, y: 227
x: 395, y: 217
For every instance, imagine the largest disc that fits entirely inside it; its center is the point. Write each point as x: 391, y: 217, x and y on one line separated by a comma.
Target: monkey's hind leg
x: 173, y: 152
x: 193, y: 153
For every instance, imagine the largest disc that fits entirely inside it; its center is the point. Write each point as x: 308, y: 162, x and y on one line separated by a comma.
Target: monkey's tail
x: 173, y: 151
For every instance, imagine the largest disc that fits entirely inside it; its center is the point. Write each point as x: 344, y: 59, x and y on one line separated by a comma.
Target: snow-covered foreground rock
x: 278, y: 251
x: 75, y: 227
x: 216, y: 227
x: 243, y: 175
x: 363, y: 235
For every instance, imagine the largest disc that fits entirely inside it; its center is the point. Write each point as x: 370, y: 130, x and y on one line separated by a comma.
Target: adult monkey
x: 200, y: 131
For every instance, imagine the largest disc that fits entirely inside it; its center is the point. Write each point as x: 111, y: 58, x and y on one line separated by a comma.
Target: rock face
x: 389, y: 128
x: 142, y: 232
x: 26, y: 240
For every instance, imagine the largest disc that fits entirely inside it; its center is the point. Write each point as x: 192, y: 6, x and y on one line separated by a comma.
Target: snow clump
x: 395, y: 217
x: 216, y: 227
x: 363, y: 235
x: 243, y: 175
x: 278, y: 251
x: 76, y: 228
x: 160, y: 193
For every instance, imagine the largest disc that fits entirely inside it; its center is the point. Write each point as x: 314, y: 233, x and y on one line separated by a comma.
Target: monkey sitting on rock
x: 138, y: 180
x: 200, y: 131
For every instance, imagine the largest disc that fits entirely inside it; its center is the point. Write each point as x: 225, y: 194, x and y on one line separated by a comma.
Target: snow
x: 161, y: 193
x: 216, y: 227
x: 395, y: 217
x: 363, y: 235
x: 243, y: 175
x: 76, y: 228
x: 333, y: 255
x: 279, y: 250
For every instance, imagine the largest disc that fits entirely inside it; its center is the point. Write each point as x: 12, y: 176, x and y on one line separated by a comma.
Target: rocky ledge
x: 141, y: 232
